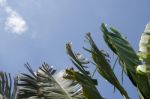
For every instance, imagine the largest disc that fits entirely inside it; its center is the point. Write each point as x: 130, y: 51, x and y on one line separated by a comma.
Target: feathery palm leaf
x: 46, y: 84
x: 7, y: 91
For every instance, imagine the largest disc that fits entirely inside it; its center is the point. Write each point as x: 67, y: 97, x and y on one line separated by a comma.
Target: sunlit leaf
x: 46, y: 84
x: 102, y: 64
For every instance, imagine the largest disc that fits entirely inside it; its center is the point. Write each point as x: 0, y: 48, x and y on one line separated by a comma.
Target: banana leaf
x: 103, y: 66
x: 82, y: 76
x: 144, y: 54
x: 128, y: 58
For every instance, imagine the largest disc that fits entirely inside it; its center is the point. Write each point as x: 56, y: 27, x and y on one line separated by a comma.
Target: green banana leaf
x: 103, y: 66
x: 144, y: 54
x: 120, y: 46
x: 128, y: 58
x: 82, y: 77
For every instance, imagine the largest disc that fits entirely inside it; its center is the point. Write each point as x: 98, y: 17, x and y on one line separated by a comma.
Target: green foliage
x: 121, y: 47
x: 103, y: 66
x: 5, y: 86
x: 46, y: 83
x: 82, y: 77
x: 144, y: 52
x: 128, y: 58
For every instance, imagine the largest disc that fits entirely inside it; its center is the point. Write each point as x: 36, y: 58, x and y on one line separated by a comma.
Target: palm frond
x: 45, y: 83
x: 7, y: 91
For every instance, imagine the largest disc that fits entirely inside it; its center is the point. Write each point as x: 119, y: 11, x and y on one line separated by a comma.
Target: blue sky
x: 35, y: 31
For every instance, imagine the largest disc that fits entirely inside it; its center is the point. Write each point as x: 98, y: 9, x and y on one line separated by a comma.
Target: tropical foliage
x: 78, y: 82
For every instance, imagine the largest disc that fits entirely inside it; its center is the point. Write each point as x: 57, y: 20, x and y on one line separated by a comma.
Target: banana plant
x: 46, y: 83
x: 144, y: 56
x: 103, y: 66
x: 82, y: 76
x: 129, y: 60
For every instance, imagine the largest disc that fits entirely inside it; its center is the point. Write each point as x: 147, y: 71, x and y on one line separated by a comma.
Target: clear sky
x: 35, y: 31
